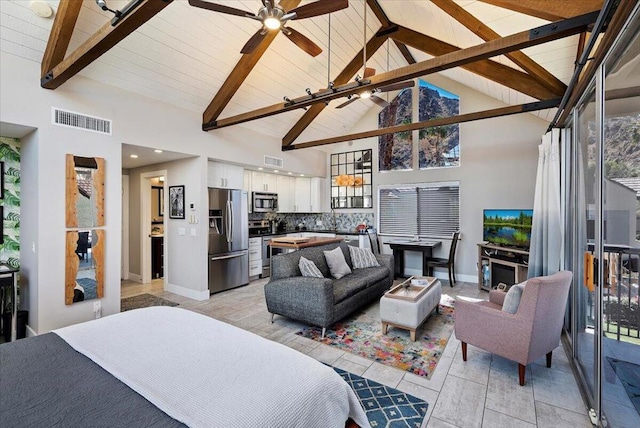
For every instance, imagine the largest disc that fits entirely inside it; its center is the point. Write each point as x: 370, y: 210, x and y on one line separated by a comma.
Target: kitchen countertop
x: 287, y: 231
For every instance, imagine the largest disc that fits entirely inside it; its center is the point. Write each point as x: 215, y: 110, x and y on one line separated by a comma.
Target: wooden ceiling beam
x: 524, y: 39
x: 404, y: 50
x: 60, y: 36
x: 615, y: 26
x: 486, y: 114
x: 492, y: 70
x: 549, y: 10
x: 345, y: 76
x: 486, y: 33
x: 386, y: 22
x: 100, y: 42
x: 241, y: 71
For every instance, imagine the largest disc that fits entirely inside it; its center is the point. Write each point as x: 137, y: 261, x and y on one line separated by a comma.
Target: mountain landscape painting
x: 395, y: 151
x: 438, y: 146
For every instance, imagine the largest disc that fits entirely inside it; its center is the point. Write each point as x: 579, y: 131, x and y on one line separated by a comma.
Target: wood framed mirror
x: 84, y: 215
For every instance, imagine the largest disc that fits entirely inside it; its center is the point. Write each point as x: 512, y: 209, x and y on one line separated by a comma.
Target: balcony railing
x: 620, y: 303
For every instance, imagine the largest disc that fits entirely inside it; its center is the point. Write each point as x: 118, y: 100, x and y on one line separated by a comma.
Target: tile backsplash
x: 337, y: 221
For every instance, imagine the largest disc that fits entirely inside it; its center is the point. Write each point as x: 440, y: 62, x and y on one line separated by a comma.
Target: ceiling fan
x: 368, y: 72
x: 275, y: 17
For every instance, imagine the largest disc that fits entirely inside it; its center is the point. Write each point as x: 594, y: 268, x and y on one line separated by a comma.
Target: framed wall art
x: 176, y: 202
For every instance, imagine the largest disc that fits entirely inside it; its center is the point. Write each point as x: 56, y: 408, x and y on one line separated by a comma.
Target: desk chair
x: 374, y: 241
x: 449, y: 262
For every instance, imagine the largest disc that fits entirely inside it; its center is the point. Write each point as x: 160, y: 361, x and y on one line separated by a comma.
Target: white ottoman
x: 409, y: 314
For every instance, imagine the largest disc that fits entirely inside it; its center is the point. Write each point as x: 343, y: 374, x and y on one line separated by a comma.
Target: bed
x: 167, y: 367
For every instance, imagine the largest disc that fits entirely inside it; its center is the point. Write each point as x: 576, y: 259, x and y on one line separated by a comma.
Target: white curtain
x: 547, y: 232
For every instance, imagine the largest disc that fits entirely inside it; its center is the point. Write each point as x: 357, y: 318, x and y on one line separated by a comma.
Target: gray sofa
x: 323, y: 301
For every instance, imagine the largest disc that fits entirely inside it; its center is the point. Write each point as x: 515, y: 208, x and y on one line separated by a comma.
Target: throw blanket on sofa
x: 204, y: 372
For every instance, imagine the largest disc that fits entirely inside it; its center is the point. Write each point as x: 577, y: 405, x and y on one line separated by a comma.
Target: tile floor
x: 483, y: 392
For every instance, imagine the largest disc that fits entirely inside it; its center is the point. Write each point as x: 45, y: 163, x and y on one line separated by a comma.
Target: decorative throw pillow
x: 512, y: 299
x: 337, y: 263
x: 362, y: 257
x: 309, y: 268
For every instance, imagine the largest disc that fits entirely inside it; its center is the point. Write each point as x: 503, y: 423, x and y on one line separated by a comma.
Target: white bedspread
x: 206, y: 373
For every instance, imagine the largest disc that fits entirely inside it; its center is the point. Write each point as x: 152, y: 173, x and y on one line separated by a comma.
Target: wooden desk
x: 400, y: 246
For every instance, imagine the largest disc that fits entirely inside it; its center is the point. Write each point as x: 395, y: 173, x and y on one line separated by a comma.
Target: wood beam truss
x: 486, y: 33
x: 60, y: 36
x: 241, y: 71
x: 549, y: 10
x: 100, y: 42
x: 447, y: 61
x: 486, y: 114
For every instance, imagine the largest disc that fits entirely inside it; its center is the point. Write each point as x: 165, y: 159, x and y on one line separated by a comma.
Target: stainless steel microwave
x: 264, y: 202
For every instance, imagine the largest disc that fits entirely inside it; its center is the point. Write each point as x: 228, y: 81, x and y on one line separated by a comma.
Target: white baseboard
x: 30, y: 332
x: 135, y: 277
x: 188, y: 292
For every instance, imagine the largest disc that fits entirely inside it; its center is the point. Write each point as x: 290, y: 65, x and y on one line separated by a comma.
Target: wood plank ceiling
x: 182, y: 55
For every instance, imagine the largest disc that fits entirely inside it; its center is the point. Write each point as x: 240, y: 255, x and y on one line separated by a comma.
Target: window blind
x: 425, y: 209
x: 398, y: 214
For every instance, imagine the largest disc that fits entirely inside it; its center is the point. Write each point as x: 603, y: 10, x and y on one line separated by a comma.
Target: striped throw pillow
x: 309, y: 268
x: 362, y: 257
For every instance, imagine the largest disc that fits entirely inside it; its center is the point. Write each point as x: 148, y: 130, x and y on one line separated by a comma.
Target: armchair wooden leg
x: 464, y: 351
x: 521, y: 369
x: 549, y: 359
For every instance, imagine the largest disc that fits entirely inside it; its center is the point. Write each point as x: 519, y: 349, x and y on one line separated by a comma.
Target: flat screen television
x: 510, y: 228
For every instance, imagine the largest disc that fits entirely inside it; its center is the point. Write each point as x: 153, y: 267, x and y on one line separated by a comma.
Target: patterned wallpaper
x: 10, y: 155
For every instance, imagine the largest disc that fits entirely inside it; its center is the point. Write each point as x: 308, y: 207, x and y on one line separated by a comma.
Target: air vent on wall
x: 271, y: 161
x: 80, y: 121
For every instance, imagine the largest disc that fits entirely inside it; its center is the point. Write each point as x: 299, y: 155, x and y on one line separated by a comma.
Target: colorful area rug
x: 629, y: 375
x: 143, y: 301
x: 386, y: 406
x: 365, y: 338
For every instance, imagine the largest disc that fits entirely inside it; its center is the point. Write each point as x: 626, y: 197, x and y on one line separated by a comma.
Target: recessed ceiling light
x: 133, y: 156
x: 290, y: 173
x: 301, y: 175
x: 275, y: 170
x: 158, y: 151
x: 260, y: 168
x: 41, y: 8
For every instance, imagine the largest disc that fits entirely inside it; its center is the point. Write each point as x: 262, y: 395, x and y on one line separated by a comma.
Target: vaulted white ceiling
x: 183, y: 55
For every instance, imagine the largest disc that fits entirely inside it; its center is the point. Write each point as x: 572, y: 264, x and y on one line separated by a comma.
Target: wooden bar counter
x: 292, y: 243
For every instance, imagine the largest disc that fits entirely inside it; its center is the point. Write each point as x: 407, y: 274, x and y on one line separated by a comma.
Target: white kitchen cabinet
x: 319, y: 195
x: 286, y: 193
x: 263, y: 182
x: 255, y: 256
x: 225, y: 175
x: 302, y: 202
x: 246, y: 182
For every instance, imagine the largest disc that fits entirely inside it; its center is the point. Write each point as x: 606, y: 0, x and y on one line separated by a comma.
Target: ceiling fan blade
x: 376, y: 99
x: 346, y: 103
x: 303, y: 42
x: 397, y: 86
x: 253, y: 42
x: 318, y: 8
x: 220, y: 8
x: 368, y: 72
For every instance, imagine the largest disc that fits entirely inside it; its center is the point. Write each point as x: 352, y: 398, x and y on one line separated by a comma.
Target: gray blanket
x: 46, y: 383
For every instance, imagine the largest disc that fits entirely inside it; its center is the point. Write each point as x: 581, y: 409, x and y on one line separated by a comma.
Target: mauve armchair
x: 533, y: 331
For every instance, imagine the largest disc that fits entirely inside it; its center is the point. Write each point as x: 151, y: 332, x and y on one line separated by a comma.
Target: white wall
x: 498, y: 161
x: 136, y: 120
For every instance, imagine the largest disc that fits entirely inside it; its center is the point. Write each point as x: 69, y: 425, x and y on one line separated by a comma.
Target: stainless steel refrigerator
x: 228, y: 239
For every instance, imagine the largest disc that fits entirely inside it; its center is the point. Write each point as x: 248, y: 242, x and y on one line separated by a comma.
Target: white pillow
x: 337, y: 263
x: 512, y: 299
x: 309, y: 268
x: 362, y: 257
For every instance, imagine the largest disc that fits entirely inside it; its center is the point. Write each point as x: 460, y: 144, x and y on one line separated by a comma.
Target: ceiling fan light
x: 272, y: 23
x: 365, y: 95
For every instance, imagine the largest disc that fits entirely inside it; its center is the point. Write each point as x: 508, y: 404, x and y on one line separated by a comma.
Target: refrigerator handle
x: 229, y: 223
x: 233, y: 226
x: 232, y: 256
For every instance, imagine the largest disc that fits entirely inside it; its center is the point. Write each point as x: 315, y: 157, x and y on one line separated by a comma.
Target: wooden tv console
x: 505, y: 264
